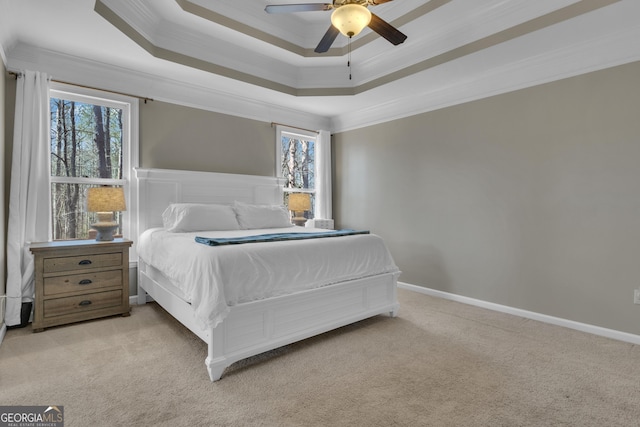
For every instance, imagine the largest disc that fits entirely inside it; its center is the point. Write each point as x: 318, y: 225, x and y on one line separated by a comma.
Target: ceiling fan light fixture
x: 350, y: 19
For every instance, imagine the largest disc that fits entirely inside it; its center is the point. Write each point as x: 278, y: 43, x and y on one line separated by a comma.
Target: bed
x: 238, y: 325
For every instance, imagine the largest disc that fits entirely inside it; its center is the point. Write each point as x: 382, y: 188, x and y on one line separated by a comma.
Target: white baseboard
x: 3, y: 332
x: 596, y: 330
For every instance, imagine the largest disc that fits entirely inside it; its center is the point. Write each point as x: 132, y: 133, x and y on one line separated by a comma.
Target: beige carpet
x: 440, y: 363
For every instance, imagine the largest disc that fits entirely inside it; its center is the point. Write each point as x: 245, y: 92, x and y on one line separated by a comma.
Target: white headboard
x: 158, y: 188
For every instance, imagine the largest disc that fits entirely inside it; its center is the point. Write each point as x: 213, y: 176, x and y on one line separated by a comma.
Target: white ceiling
x: 231, y: 56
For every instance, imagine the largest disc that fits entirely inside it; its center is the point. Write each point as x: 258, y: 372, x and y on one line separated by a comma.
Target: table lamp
x: 298, y: 204
x: 105, y: 201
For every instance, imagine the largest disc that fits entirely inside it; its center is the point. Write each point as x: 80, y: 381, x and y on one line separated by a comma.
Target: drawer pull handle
x: 85, y: 262
x: 85, y: 303
x: 85, y: 282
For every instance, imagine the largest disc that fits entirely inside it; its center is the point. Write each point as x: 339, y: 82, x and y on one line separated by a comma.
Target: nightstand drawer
x: 53, y: 265
x: 82, y: 303
x: 82, y: 282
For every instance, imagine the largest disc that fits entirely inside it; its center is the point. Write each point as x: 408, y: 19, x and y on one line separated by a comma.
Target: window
x: 93, y: 142
x: 296, y: 151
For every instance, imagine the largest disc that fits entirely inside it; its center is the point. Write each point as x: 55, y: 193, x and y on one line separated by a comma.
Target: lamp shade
x: 106, y: 199
x: 299, y: 202
x: 350, y: 19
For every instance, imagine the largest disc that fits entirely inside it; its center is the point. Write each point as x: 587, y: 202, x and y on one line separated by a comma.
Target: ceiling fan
x: 349, y: 17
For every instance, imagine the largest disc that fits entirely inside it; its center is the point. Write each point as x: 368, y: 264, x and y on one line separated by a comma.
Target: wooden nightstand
x: 78, y: 280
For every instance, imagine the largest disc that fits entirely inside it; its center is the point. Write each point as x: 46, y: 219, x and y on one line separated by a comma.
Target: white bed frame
x: 255, y: 327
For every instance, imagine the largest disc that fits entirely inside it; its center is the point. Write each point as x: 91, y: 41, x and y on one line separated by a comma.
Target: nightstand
x: 327, y: 224
x: 78, y: 280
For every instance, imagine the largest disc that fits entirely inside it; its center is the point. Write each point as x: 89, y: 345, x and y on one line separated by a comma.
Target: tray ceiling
x: 234, y: 48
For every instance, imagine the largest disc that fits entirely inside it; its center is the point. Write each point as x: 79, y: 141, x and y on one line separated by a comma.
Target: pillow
x: 262, y: 216
x: 184, y: 217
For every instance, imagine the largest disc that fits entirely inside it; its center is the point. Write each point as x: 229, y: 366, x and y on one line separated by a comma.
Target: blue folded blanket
x: 275, y: 237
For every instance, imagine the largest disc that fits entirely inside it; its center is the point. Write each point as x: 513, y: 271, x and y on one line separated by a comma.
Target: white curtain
x: 29, y: 219
x: 324, y: 208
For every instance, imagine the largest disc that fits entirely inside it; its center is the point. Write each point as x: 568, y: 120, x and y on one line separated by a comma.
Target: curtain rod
x: 294, y: 127
x: 144, y: 98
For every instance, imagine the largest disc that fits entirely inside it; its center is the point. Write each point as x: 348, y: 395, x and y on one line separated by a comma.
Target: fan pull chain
x: 349, y: 57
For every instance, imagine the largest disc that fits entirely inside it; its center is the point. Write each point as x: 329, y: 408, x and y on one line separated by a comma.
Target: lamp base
x: 299, y: 220
x: 105, y: 230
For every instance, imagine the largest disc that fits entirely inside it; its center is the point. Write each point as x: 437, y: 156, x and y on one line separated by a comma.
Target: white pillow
x: 262, y: 216
x: 184, y: 217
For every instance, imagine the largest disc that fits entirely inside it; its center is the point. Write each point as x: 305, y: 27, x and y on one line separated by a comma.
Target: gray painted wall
x: 529, y: 199
x: 178, y: 137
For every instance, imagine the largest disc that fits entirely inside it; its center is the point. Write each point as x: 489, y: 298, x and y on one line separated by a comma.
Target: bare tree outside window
x: 86, y: 150
x: 298, y: 167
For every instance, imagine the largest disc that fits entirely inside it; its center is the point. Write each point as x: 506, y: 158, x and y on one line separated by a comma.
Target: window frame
x: 299, y: 133
x: 130, y: 149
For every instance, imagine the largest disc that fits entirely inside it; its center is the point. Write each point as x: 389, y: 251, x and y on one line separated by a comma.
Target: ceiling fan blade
x: 304, y: 7
x: 327, y: 40
x: 377, y: 2
x: 386, y: 30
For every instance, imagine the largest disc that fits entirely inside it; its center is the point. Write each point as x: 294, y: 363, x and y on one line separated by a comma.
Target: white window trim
x: 322, y: 165
x: 130, y: 128
x: 296, y: 133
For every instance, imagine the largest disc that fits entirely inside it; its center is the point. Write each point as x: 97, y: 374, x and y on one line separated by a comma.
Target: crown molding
x: 283, y: 35
x: 279, y: 31
x: 136, y: 14
x: 588, y: 42
x: 375, y: 64
x: 449, y: 85
x: 461, y: 81
x: 449, y: 38
x: 82, y: 71
x: 284, y: 31
x: 3, y: 56
x: 7, y: 41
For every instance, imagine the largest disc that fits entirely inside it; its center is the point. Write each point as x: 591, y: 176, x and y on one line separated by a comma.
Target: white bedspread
x: 215, y: 278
